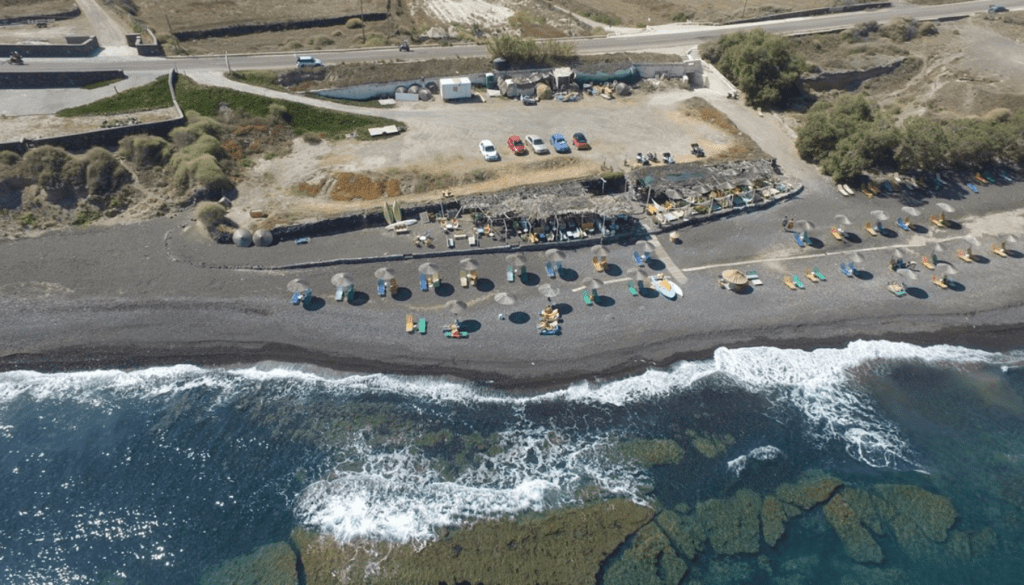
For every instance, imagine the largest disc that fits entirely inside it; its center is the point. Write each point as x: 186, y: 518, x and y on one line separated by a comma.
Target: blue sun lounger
x: 846, y: 270
x: 903, y: 225
x: 638, y: 258
x: 799, y: 240
x: 382, y: 288
x: 972, y: 187
x: 550, y: 268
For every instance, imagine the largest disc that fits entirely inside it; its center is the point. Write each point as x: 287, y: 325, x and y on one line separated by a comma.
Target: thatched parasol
x: 735, y: 278
x: 856, y: 257
x: 803, y: 225
x: 972, y: 240
x: 455, y: 307
x: 341, y: 279
x: 844, y: 220
x: 946, y: 207
x: 638, y: 273
x: 297, y: 285
x: 600, y: 251
x: 907, y: 273
x: 504, y: 298
x: 384, y: 273
x: 469, y: 264
x: 645, y: 246
x: 592, y: 283
x: 880, y: 215
x: 911, y: 211
x: 262, y: 238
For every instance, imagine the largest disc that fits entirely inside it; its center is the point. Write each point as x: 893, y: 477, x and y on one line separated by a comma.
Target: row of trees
x: 850, y: 135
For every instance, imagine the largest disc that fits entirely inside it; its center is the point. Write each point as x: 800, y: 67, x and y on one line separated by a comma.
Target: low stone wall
x: 248, y: 29
x: 152, y: 49
x: 373, y: 91
x: 814, y: 12
x: 76, y: 47
x: 75, y: 11
x: 19, y: 79
x: 849, y: 80
x: 104, y: 136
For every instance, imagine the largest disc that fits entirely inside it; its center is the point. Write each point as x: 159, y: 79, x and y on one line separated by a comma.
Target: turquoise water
x: 161, y: 475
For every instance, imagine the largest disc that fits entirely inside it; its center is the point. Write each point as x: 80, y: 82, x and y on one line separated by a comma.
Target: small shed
x: 456, y: 88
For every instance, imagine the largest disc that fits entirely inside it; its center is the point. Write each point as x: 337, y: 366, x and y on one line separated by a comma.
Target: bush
x: 9, y: 158
x: 529, y: 53
x: 103, y: 173
x: 762, y: 65
x: 311, y: 138
x: 45, y: 166
x: 354, y: 23
x: 209, y: 213
x: 900, y: 30
x: 146, y: 151
x: 847, y: 137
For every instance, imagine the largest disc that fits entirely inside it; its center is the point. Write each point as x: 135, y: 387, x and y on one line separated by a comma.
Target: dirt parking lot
x: 440, y: 149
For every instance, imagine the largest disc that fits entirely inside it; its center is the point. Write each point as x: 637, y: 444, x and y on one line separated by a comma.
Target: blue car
x: 559, y: 144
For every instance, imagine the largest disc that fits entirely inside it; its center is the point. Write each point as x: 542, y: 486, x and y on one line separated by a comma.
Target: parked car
x: 537, y: 144
x: 307, y: 61
x: 993, y: 8
x: 487, y: 149
x: 580, y: 141
x: 559, y: 144
x: 516, y: 145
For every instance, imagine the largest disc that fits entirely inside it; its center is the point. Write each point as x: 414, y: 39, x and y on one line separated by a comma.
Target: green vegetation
x: 209, y: 213
x: 522, y: 52
x: 762, y: 65
x: 151, y: 96
x: 145, y: 151
x: 850, y: 135
x: 86, y: 215
x: 103, y: 83
x: 27, y: 220
x: 354, y: 23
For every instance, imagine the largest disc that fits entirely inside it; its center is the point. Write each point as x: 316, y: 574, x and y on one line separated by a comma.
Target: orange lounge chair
x: 838, y: 234
x: 928, y: 263
x: 999, y: 250
x: 870, y: 229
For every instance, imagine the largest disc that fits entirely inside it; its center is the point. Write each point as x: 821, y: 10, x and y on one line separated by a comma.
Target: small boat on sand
x: 666, y: 287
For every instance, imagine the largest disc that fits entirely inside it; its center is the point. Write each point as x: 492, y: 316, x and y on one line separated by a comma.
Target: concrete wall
x: 105, y: 136
x: 54, y: 16
x: 76, y: 47
x: 373, y: 91
x: 684, y: 69
x: 248, y: 29
x: 848, y: 80
x: 151, y: 49
x: 815, y: 12
x: 21, y: 79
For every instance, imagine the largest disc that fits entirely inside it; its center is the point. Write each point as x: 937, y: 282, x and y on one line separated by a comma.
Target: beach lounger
x: 339, y: 295
x: 472, y: 240
x: 870, y: 229
x: 846, y: 270
x: 410, y: 324
x: 463, y: 279
x: 423, y: 282
x: 788, y: 280
x: 897, y: 289
x: 965, y: 255
x: 981, y: 179
x: 382, y: 289
x: 587, y: 300
x: 510, y: 273
x: 422, y: 326
x: 598, y: 264
x: 939, y: 282
x: 393, y: 287
x: 796, y: 280
x: 799, y: 240
x: 296, y: 298
x: 939, y: 221
x: 551, y: 269
x: 838, y: 234
x: 999, y: 250
x: 972, y: 187
x: 639, y: 259
x: 451, y: 242
x: 810, y: 275
x: 754, y: 278
x: 819, y: 274
x: 631, y: 286
x: 903, y: 225
x: 929, y: 263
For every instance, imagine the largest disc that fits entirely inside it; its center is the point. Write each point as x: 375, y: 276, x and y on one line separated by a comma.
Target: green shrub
x: 45, y: 165
x: 209, y: 213
x: 146, y: 151
x: 103, y: 173
x: 86, y: 215
x: 9, y: 158
x: 152, y: 96
x: 354, y: 23
x: 198, y: 125
x: 762, y: 65
x: 900, y: 30
x: 311, y: 138
x: 528, y: 52
x: 27, y: 220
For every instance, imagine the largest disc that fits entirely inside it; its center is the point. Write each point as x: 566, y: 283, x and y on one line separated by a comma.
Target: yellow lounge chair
x: 811, y: 276
x: 600, y: 264
x: 869, y: 229
x: 927, y: 263
x: 939, y: 221
x: 788, y: 280
x: 410, y: 324
x: 939, y: 282
x: 999, y: 250
x: 838, y: 234
x: 966, y: 256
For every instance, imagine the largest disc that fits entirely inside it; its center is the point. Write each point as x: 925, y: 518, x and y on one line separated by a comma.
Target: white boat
x: 666, y: 287
x: 401, y: 224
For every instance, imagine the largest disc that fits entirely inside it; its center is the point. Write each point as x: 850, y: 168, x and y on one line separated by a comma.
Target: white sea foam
x: 766, y: 453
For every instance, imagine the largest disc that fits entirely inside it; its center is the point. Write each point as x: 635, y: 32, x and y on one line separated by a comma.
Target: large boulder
x: 808, y: 493
x: 847, y: 525
x: 733, y: 526
x: 648, y: 559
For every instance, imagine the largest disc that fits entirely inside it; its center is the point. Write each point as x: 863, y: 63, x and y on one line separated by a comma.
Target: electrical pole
x: 362, y: 20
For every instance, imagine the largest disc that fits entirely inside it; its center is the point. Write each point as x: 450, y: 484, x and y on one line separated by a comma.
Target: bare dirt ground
x: 18, y: 127
x: 12, y: 8
x: 440, y: 151
x: 54, y: 33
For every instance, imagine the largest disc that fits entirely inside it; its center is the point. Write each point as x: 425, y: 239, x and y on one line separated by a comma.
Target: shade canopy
x: 341, y: 279
x: 907, y: 273
x: 599, y: 250
x: 591, y: 282
x: 945, y: 207
x: 429, y: 268
x: 735, y: 277
x: 880, y: 215
x: 972, y: 240
x: 1010, y: 238
x: 262, y: 238
x: 554, y: 254
x: 803, y: 225
x: 548, y: 290
x: 384, y: 273
x: 504, y: 298
x: 455, y: 306
x: 518, y: 259
x: 911, y: 211
x: 844, y: 220
x: 469, y: 264
x: 297, y: 285
x: 638, y: 273
x: 856, y: 257
x: 645, y: 246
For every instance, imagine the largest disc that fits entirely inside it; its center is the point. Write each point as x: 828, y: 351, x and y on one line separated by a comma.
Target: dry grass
x: 640, y: 13
x: 12, y: 8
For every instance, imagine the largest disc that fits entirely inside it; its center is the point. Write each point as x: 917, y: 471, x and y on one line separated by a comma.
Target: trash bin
x: 490, y: 82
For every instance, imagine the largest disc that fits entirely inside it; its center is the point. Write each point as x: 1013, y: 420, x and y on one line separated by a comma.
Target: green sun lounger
x: 798, y: 282
x: 818, y: 273
x: 632, y: 288
x: 422, y: 326
x: 587, y: 299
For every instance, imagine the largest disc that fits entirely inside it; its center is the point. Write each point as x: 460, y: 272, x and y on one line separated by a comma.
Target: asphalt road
x: 659, y: 38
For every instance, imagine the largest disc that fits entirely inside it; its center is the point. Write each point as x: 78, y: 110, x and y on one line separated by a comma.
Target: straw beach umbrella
x: 469, y: 264
x: 262, y: 238
x: 599, y: 251
x: 242, y: 238
x: 911, y: 211
x: 455, y: 307
x: 946, y: 207
x: 518, y: 259
x: 735, y: 279
x: 880, y: 215
x: 645, y: 247
x: 504, y: 298
x: 844, y: 220
x: 592, y: 283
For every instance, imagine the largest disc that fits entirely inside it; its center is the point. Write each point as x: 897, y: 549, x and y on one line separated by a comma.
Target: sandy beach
x: 160, y: 292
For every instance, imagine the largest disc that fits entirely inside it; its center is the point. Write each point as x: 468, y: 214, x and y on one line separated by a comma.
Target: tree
x: 762, y: 65
x: 829, y: 122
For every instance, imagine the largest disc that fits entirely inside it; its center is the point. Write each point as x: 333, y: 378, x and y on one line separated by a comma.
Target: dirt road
x: 108, y: 30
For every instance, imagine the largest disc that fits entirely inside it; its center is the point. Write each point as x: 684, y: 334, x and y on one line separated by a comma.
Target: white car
x: 487, y: 149
x: 307, y: 61
x: 537, y: 144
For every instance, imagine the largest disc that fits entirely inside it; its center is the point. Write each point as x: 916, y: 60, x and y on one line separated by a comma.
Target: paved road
x: 656, y: 38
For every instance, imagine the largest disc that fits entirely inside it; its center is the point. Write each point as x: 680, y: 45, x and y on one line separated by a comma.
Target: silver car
x: 537, y: 144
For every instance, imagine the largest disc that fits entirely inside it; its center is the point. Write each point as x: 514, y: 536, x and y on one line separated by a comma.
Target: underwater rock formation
x: 733, y: 526
x: 647, y: 559
x: 847, y: 524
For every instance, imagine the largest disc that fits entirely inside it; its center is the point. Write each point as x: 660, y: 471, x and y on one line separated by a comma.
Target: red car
x: 580, y: 141
x: 516, y: 145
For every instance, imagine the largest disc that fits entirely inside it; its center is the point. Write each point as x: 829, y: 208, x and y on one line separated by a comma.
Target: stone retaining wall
x: 17, y: 79
x: 248, y: 29
x: 76, y: 47
x: 814, y: 12
x: 37, y: 17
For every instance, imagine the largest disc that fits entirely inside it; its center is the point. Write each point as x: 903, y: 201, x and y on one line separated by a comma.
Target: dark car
x: 515, y: 144
x: 580, y: 141
x: 559, y: 144
x: 993, y: 8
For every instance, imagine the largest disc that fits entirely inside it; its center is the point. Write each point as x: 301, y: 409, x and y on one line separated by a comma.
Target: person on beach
x: 785, y: 223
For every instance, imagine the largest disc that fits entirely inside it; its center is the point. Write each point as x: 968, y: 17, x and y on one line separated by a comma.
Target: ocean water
x: 160, y: 475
